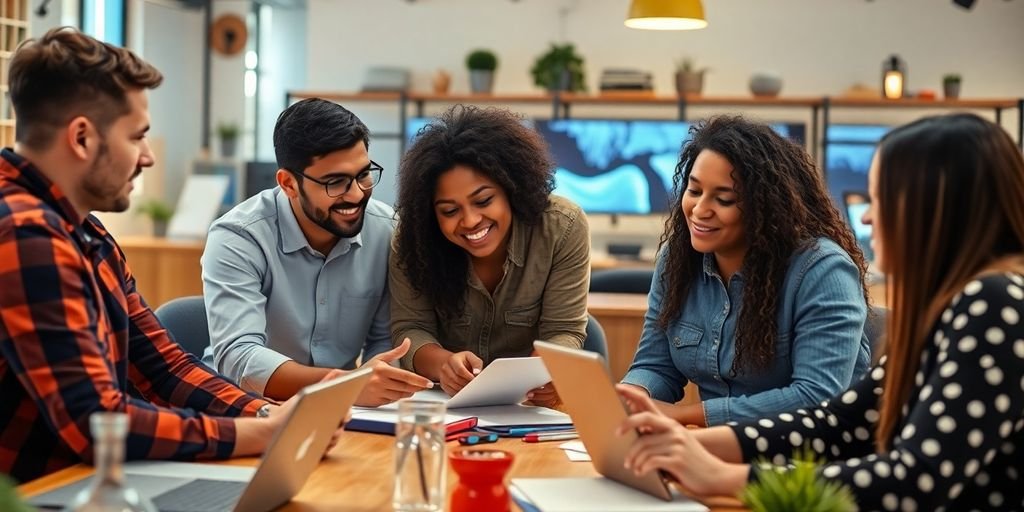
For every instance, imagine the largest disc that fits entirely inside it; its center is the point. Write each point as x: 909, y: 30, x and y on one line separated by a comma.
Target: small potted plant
x: 797, y: 488
x: 160, y: 213
x: 689, y: 79
x: 228, y: 133
x: 559, y: 69
x: 9, y: 500
x: 481, y: 64
x: 951, y: 86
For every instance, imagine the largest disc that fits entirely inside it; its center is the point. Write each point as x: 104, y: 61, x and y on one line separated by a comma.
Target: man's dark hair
x: 65, y: 74
x: 312, y: 128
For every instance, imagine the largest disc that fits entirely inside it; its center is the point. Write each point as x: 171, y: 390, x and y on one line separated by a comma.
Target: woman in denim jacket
x: 758, y: 295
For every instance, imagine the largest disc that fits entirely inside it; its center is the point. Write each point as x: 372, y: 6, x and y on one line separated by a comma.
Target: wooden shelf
x: 986, y: 103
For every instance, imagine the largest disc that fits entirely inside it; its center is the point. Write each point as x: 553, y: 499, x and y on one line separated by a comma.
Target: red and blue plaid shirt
x: 75, y: 334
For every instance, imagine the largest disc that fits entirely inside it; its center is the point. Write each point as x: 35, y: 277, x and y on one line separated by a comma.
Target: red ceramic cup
x: 481, y: 480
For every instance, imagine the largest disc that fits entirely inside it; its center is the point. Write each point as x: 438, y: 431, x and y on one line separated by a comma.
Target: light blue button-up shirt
x: 820, y: 348
x: 271, y: 298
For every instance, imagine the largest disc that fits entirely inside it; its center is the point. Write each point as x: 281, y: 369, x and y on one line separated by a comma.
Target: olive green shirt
x: 543, y: 295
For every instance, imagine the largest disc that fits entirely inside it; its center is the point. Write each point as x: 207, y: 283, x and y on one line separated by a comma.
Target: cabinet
x: 13, y: 30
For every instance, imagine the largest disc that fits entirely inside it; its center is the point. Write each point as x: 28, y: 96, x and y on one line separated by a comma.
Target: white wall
x: 819, y: 46
x: 283, y: 48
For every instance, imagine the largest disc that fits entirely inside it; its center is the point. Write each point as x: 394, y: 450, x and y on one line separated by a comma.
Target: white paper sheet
x: 597, y: 495
x: 575, y: 451
x: 198, y: 204
x: 492, y: 416
x: 504, y: 382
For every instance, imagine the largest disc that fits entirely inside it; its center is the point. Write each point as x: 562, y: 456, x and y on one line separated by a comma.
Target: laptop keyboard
x: 201, y: 496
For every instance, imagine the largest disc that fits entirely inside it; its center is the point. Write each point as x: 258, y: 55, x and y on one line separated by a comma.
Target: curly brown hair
x: 785, y: 208
x: 492, y: 141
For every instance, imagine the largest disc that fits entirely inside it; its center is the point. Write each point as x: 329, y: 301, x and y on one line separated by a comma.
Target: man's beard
x: 104, y: 195
x: 323, y: 219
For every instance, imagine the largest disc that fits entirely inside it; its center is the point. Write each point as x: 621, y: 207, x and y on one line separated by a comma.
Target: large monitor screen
x: 848, y: 157
x: 621, y: 166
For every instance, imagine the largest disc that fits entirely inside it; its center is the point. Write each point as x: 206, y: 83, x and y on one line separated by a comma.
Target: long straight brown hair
x: 951, y: 206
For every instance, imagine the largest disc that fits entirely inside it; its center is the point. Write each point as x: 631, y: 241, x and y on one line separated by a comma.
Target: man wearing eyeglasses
x: 295, y: 278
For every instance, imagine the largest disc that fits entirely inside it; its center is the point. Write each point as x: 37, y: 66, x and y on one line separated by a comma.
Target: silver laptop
x: 582, y: 380
x: 290, y: 458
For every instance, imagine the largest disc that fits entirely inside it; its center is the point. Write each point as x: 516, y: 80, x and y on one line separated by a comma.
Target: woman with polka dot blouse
x: 938, y: 424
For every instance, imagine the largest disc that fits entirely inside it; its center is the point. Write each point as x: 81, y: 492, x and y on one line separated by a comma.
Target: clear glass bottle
x: 108, y: 492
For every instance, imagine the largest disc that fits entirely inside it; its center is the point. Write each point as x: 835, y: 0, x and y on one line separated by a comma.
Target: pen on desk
x: 553, y: 436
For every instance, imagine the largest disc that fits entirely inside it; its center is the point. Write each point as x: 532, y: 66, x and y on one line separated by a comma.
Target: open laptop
x: 292, y: 455
x: 586, y: 389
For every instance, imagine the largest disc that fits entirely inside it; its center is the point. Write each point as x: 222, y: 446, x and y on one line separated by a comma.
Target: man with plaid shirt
x: 75, y: 335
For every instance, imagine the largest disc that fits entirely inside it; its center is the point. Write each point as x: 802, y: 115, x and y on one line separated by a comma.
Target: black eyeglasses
x: 337, y: 187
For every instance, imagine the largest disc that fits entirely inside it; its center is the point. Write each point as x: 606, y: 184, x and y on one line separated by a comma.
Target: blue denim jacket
x: 820, y: 350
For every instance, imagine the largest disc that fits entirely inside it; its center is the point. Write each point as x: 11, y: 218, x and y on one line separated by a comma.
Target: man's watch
x: 263, y: 411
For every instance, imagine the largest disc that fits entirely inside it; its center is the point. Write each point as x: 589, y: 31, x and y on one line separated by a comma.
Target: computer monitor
x: 622, y: 166
x: 850, y: 148
x: 856, y: 203
x: 259, y: 176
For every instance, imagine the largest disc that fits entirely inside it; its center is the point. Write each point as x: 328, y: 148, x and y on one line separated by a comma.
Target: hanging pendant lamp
x: 666, y: 15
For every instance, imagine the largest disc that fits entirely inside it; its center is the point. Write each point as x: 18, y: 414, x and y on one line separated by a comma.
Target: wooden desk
x: 164, y: 269
x: 358, y: 474
x: 621, y: 315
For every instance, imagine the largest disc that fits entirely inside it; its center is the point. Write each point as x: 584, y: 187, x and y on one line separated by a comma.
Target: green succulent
x: 950, y: 78
x: 227, y: 130
x: 157, y: 210
x: 482, y: 60
x: 9, y: 500
x: 547, y: 69
x: 800, y: 488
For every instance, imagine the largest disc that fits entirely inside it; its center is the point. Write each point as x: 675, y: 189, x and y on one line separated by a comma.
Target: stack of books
x: 622, y: 79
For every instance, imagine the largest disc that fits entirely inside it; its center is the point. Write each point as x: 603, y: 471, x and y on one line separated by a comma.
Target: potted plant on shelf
x: 689, y: 79
x: 951, y: 86
x: 160, y: 213
x: 799, y: 487
x: 559, y: 69
x: 228, y: 133
x: 481, y: 64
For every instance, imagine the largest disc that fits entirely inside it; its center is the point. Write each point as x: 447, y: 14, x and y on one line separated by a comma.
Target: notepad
x: 598, y: 495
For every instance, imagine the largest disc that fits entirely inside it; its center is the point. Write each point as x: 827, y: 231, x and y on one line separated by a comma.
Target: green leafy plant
x: 799, y: 488
x: 482, y: 60
x: 156, y: 210
x: 951, y: 78
x: 549, y: 68
x: 227, y: 130
x: 685, y: 65
x: 9, y: 500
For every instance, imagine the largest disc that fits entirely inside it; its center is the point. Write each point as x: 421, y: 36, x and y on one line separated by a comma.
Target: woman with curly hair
x: 484, y: 260
x: 938, y: 422
x: 759, y: 295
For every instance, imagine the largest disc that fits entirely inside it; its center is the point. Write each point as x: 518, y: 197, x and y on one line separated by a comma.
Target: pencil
x: 560, y: 436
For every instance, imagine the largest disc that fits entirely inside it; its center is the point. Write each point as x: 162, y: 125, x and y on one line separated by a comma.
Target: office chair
x: 622, y: 280
x: 595, y: 341
x: 185, y: 319
x: 874, y: 328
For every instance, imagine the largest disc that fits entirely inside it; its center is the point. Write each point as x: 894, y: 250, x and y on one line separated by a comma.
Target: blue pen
x: 519, y: 432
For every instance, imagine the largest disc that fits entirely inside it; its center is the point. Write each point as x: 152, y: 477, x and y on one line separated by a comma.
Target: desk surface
x: 358, y: 472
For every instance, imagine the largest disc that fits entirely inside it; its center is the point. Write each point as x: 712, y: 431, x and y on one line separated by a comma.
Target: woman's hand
x: 544, y: 396
x: 458, y: 370
x: 665, y: 445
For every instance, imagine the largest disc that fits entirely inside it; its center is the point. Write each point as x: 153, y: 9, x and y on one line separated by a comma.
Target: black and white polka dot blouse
x: 959, y: 445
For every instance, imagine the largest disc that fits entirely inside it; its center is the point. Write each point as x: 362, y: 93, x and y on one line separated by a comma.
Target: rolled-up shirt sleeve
x: 233, y: 271
x: 412, y: 315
